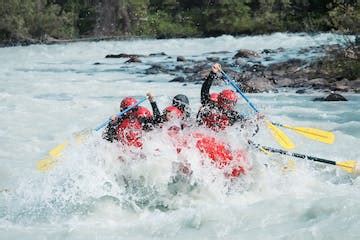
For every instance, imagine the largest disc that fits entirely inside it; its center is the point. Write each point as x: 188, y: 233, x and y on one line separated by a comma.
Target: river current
x: 48, y: 92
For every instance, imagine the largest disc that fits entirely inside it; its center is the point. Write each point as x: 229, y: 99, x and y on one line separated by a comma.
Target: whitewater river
x: 48, y: 92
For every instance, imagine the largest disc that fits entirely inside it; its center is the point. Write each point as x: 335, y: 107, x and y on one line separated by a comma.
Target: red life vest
x: 221, y: 155
x: 129, y: 132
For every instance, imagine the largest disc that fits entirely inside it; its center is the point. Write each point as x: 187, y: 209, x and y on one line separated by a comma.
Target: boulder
x: 133, y: 60
x: 246, y: 53
x: 332, y: 97
x: 301, y: 91
x: 180, y: 59
x: 178, y: 79
x: 156, y: 69
x: 157, y: 54
x: 268, y: 51
x: 335, y: 97
x: 122, y: 55
x: 259, y: 84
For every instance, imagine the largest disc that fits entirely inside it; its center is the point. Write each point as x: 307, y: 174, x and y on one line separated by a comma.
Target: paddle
x: 48, y: 162
x: 349, y: 166
x: 312, y: 133
x: 279, y: 135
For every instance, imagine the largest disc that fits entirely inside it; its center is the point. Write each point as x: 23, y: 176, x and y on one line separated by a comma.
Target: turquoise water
x: 49, y: 92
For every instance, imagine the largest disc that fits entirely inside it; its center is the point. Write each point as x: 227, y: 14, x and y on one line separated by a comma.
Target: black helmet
x: 182, y: 102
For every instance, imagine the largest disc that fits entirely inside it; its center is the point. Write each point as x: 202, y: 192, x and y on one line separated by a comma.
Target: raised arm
x: 205, y: 88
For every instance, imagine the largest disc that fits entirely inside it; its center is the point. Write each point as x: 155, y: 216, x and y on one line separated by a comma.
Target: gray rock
x: 332, y: 97
x: 156, y: 69
x: 268, y: 51
x: 301, y: 91
x: 335, y: 97
x: 157, y: 54
x: 178, y: 79
x: 213, y: 59
x: 246, y: 53
x: 122, y: 55
x: 259, y: 84
x: 133, y: 60
x: 180, y: 59
x: 220, y: 52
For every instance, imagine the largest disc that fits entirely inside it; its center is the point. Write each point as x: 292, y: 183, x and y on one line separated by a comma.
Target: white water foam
x: 49, y: 92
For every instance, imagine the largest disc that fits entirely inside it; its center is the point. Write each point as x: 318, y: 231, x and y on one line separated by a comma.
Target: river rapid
x: 48, y: 92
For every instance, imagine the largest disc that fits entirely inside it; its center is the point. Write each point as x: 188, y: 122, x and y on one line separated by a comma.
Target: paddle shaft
x: 239, y: 91
x: 297, y: 155
x: 120, y: 114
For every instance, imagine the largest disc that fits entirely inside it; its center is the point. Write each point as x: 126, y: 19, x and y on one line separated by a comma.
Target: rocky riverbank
x: 255, y: 71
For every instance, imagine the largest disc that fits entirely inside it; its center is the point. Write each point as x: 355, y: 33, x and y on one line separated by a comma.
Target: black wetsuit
x: 157, y: 116
x: 110, y: 133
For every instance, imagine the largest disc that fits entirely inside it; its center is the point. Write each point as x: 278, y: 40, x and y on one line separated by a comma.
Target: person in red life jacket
x: 110, y: 133
x: 145, y: 117
x: 169, y: 112
x: 222, y: 114
x: 173, y: 114
x: 208, y: 111
x: 129, y: 132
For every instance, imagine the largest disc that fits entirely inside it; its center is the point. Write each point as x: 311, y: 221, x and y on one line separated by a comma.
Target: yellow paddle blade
x: 313, y: 133
x: 48, y: 163
x: 348, y: 166
x: 45, y: 164
x: 280, y: 136
x: 56, y: 151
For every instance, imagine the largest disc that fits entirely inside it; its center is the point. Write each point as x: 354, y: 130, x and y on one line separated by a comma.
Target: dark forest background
x: 41, y: 20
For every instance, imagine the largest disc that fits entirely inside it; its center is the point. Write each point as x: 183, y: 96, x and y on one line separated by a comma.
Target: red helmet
x: 129, y: 132
x: 172, y: 112
x: 214, y: 97
x: 127, y: 102
x: 227, y: 99
x: 143, y: 112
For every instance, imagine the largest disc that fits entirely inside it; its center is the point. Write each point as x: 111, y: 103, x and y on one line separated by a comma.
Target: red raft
x: 234, y: 163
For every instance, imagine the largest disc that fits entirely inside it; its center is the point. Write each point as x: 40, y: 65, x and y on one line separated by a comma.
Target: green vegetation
x: 67, y: 19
